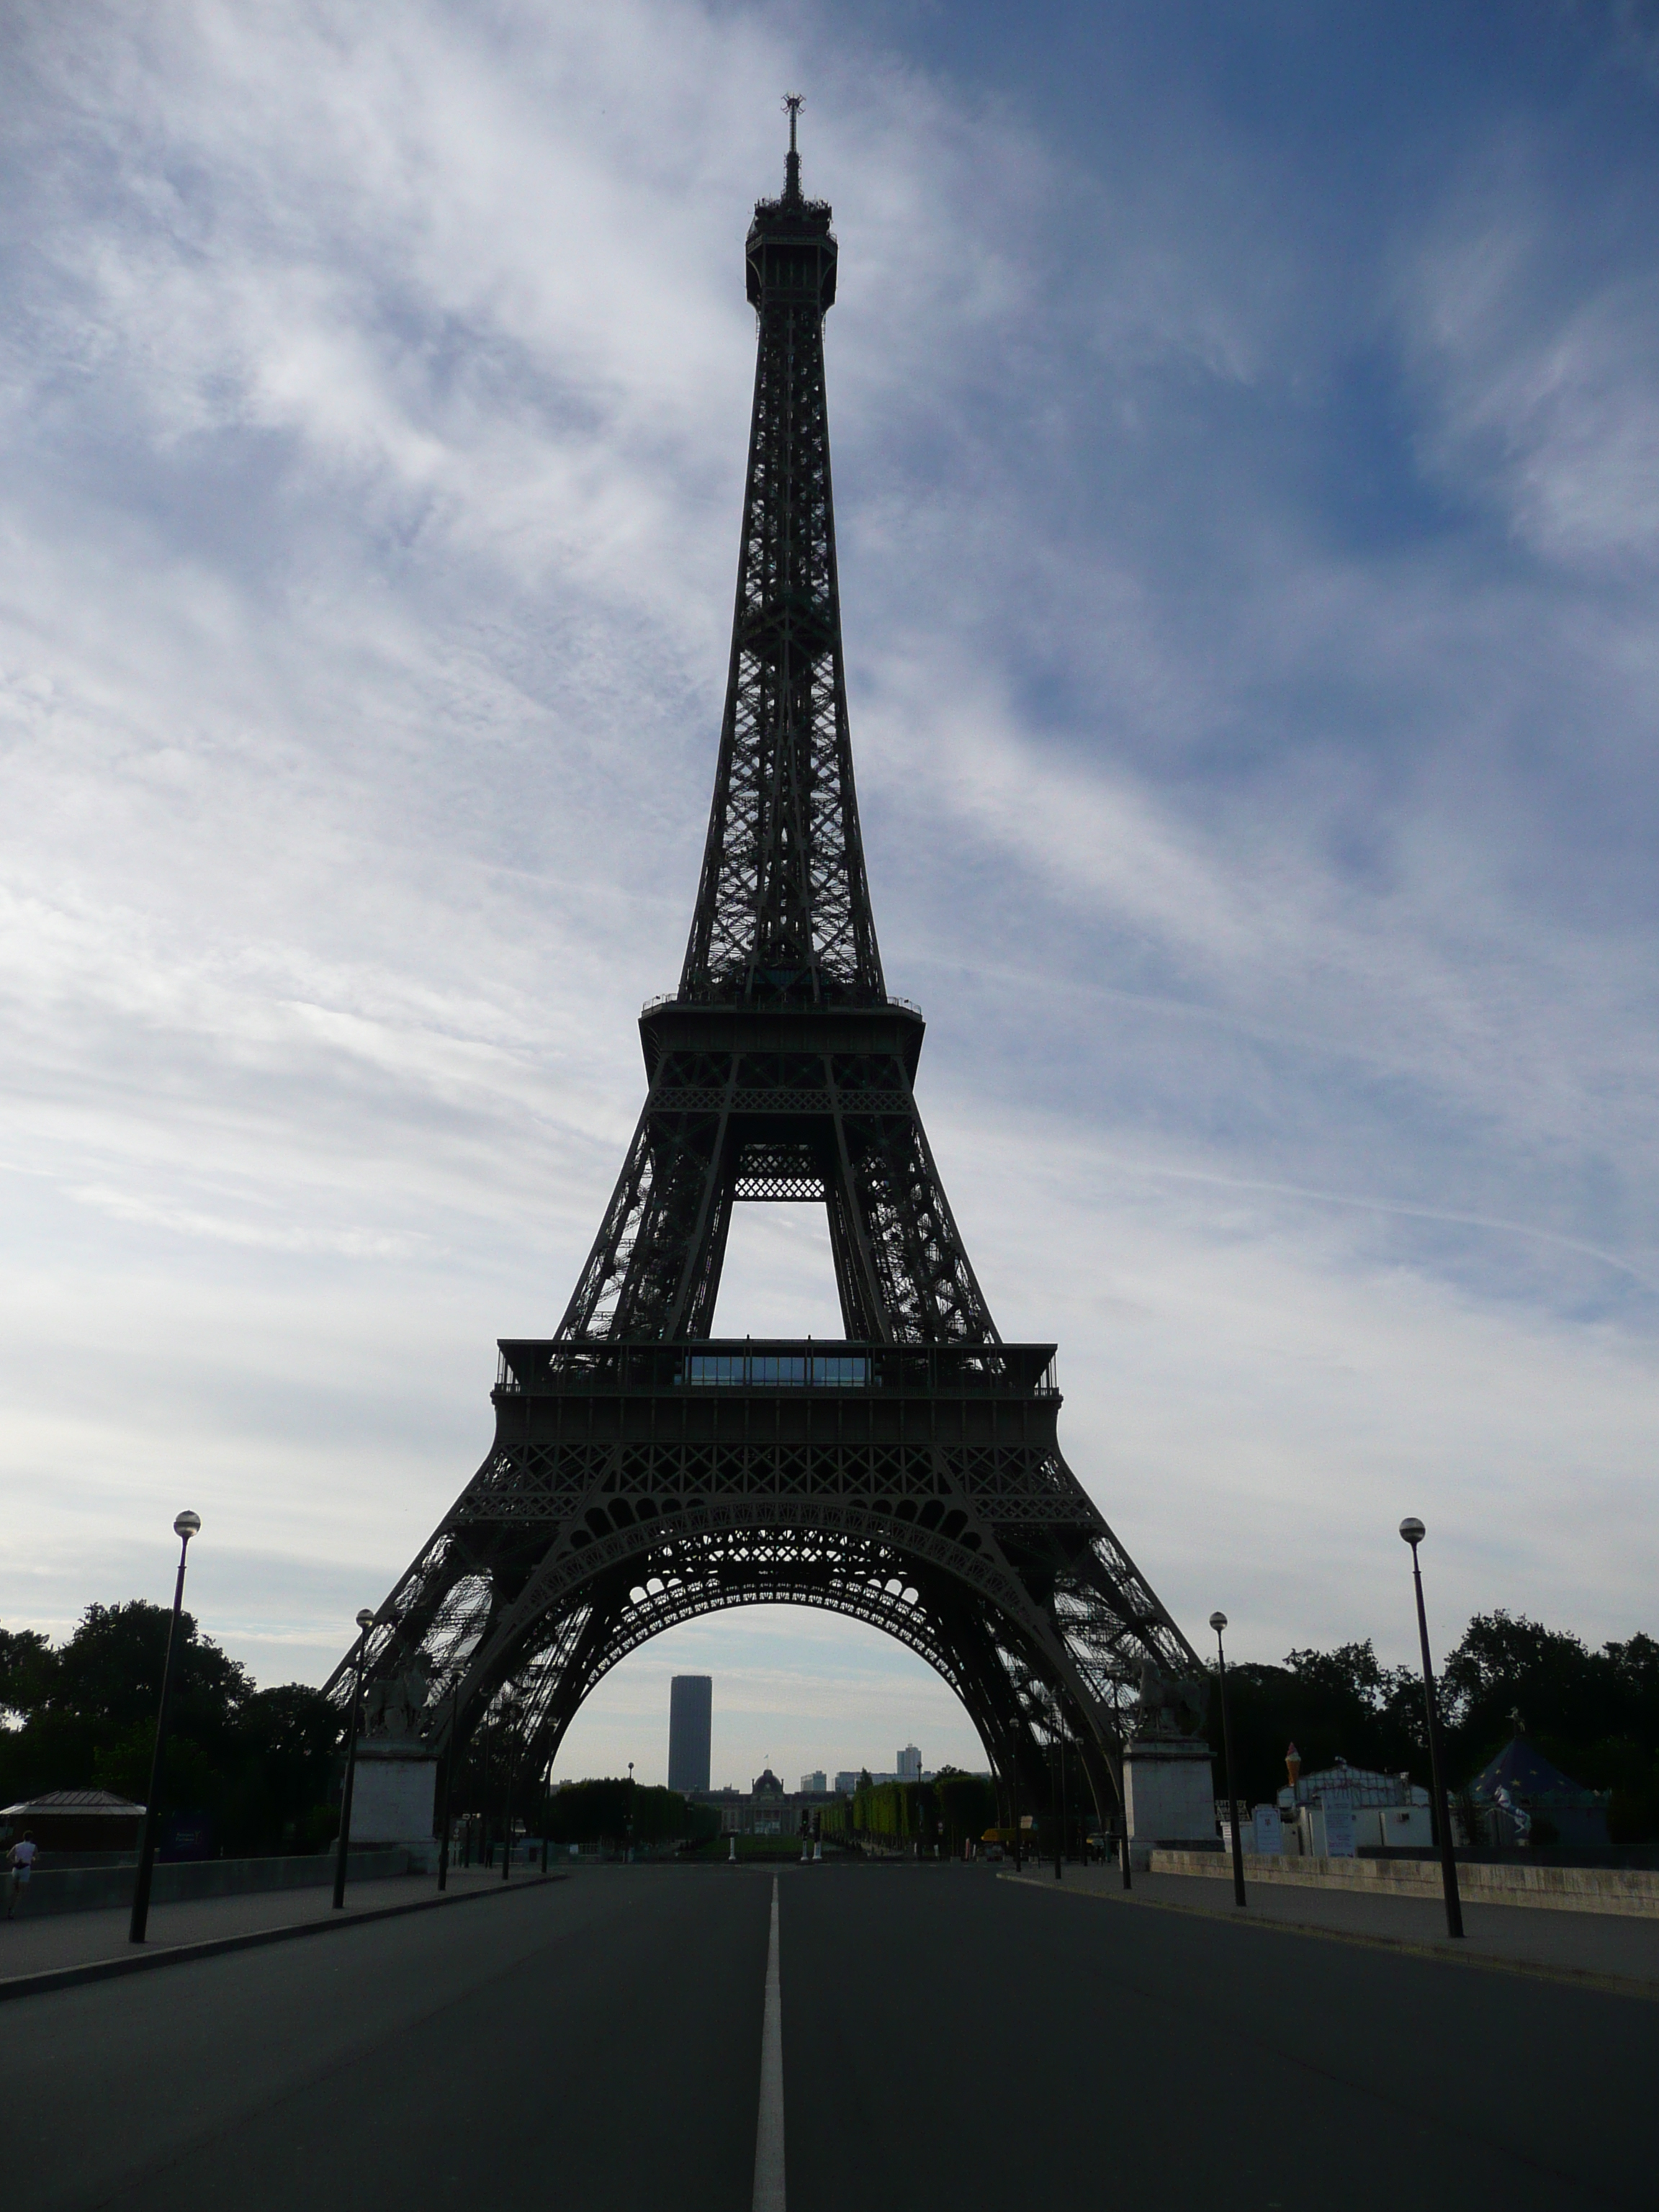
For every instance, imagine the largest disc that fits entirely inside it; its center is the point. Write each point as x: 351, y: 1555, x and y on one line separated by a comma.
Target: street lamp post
x: 1122, y: 1787
x: 1060, y: 1828
x: 365, y: 1622
x: 450, y: 1756
x: 1065, y: 1812
x: 509, y: 1722
x: 1412, y: 1532
x: 184, y: 1529
x: 1218, y: 1621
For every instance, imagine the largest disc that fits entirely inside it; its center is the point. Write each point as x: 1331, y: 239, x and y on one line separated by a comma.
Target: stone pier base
x: 391, y: 1800
x: 1169, y: 1792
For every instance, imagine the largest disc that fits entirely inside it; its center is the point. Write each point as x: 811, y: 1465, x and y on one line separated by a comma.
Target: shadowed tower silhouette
x: 644, y: 1472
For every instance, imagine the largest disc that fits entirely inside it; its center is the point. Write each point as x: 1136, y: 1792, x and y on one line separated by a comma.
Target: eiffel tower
x: 644, y: 1472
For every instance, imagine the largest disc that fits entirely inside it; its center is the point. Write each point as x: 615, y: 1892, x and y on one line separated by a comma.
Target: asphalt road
x: 597, y: 2044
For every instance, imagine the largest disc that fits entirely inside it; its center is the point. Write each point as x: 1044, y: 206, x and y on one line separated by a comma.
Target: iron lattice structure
x: 644, y: 1472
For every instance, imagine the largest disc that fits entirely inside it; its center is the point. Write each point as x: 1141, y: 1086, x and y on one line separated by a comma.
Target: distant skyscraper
x: 813, y: 1785
x: 846, y: 1783
x: 690, y: 1710
x: 909, y: 1764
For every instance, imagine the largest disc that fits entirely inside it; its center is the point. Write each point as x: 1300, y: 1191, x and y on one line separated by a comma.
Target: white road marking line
x: 768, y: 2126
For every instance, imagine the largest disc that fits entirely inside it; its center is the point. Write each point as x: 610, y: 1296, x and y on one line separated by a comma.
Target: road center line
x: 769, y: 2125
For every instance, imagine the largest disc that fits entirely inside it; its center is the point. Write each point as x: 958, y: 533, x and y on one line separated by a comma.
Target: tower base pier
x: 1169, y: 1795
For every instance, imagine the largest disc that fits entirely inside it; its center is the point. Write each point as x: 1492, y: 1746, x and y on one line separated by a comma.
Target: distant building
x: 909, y: 1764
x: 767, y: 1808
x: 75, y: 1821
x: 814, y: 1785
x: 1341, y: 1810
x: 769, y: 1803
x: 691, y: 1714
x: 846, y: 1783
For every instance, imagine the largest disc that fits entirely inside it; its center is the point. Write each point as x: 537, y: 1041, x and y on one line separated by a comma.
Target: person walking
x: 20, y: 1860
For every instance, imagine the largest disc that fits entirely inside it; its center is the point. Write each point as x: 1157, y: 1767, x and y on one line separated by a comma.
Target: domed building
x: 769, y: 1805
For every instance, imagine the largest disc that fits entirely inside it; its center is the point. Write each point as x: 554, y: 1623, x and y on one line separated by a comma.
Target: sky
x: 1246, y: 427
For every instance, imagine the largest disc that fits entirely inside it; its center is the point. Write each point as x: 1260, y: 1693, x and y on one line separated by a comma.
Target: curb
x: 179, y: 1955
x: 1575, y: 1978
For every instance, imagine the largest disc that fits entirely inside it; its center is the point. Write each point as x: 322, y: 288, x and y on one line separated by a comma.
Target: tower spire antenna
x: 792, y: 105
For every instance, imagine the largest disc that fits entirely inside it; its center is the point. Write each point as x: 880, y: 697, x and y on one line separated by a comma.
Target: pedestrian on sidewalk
x: 20, y: 1860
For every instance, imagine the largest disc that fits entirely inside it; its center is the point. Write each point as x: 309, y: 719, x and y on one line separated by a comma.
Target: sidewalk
x: 1609, y: 1950
x: 59, y: 1941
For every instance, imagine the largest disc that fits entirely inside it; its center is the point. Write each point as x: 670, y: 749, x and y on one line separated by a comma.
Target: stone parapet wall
x: 1631, y: 1890
x: 93, y: 1889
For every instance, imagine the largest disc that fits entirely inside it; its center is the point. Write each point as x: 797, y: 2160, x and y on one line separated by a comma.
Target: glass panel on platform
x: 777, y: 1371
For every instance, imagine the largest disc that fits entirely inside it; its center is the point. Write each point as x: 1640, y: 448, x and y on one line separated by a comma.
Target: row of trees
x: 82, y: 1716
x: 949, y: 1810
x: 261, y: 1763
x: 612, y: 1814
x: 1594, y: 1713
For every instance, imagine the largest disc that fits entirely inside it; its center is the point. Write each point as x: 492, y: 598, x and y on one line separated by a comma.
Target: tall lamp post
x: 1218, y: 1621
x: 1059, y: 1825
x: 184, y: 1529
x: 509, y: 1722
x: 1412, y: 1532
x: 1123, y: 1785
x: 450, y: 1757
x: 365, y: 1622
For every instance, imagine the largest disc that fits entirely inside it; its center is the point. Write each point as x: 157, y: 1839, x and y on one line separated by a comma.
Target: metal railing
x: 543, y: 1367
x: 672, y: 998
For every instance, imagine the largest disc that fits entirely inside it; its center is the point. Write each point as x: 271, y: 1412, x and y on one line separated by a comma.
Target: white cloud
x: 1539, y: 356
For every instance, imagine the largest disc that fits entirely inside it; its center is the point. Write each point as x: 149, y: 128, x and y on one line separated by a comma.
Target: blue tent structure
x: 1522, y: 1778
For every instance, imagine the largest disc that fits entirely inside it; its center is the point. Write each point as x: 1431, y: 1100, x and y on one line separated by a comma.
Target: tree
x: 1635, y: 1670
x: 89, y: 1720
x: 109, y: 1673
x: 616, y: 1811
x: 259, y: 1763
x: 26, y: 1662
x: 1342, y: 1703
x: 1506, y: 1663
x: 967, y: 1807
x: 274, y: 1787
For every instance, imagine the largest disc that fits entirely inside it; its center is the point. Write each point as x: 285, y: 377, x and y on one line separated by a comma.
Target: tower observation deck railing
x: 672, y: 998
x: 549, y: 1367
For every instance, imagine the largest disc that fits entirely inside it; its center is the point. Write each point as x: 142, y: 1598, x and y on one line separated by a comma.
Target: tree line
x: 616, y: 1813
x: 952, y: 1809
x: 1595, y: 1714
x: 260, y: 1764
x: 263, y: 1764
